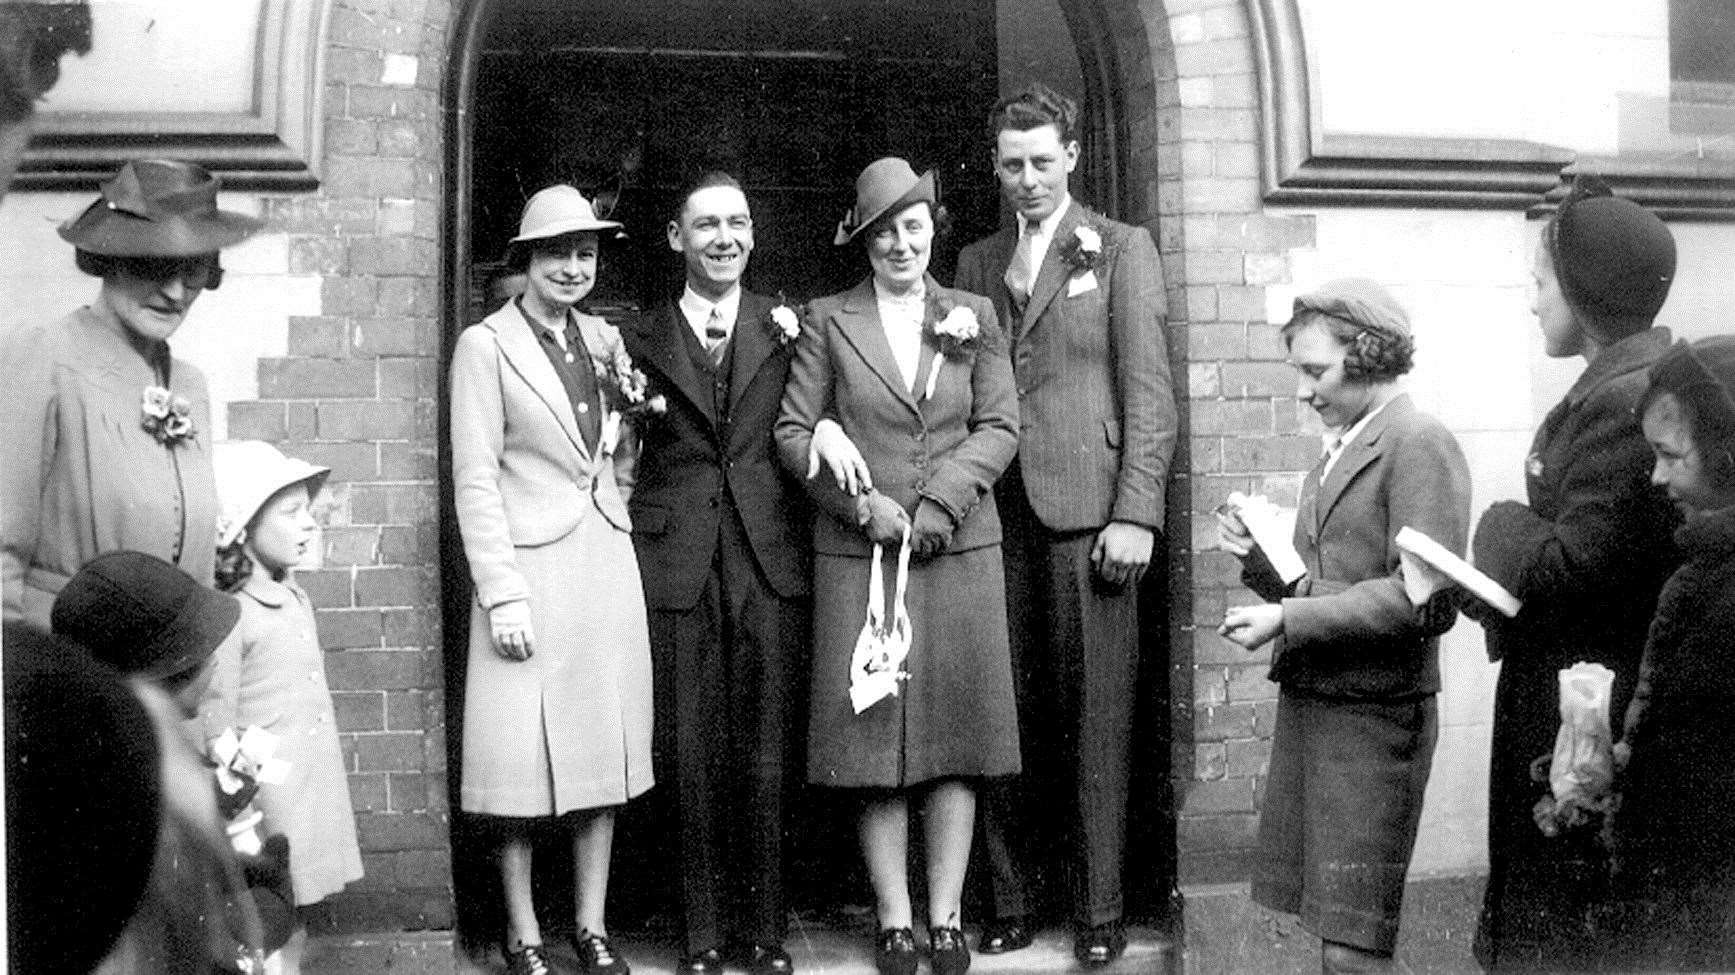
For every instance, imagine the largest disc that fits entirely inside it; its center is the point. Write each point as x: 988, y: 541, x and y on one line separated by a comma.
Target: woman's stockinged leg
x: 885, y: 844
x: 592, y: 848
x: 521, y: 926
x: 948, y: 822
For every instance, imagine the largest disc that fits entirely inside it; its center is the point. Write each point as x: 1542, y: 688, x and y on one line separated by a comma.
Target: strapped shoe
x: 596, y: 955
x: 527, y: 960
x: 948, y: 953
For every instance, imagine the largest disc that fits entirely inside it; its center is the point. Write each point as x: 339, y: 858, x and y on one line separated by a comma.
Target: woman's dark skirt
x: 956, y: 716
x: 1342, y: 803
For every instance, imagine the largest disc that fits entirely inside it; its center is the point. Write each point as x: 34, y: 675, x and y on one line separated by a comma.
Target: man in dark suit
x: 1083, y: 508
x: 722, y: 540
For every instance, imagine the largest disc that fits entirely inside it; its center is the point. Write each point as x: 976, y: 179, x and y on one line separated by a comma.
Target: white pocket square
x: 1079, y: 284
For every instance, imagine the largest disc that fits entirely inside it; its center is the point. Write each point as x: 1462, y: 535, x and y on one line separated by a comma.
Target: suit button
x: 921, y: 435
x: 713, y: 502
x: 584, y: 483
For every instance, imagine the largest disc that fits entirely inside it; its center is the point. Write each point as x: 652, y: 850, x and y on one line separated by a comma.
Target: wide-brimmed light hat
x: 249, y: 472
x: 885, y: 186
x: 158, y: 208
x: 141, y: 615
x: 557, y: 211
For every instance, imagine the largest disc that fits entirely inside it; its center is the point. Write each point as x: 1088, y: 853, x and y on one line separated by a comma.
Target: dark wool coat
x: 1587, y: 555
x: 1672, y: 833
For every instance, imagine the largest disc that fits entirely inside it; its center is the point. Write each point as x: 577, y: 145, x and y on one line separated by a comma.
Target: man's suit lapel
x: 523, y: 352
x: 999, y: 258
x: 669, y: 356
x: 1357, y: 455
x: 753, y: 343
x: 859, y: 323
x: 1055, y: 270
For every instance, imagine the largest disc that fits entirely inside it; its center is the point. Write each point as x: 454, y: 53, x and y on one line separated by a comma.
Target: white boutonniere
x: 955, y: 330
x: 785, y: 323
x: 165, y: 416
x: 1085, y: 250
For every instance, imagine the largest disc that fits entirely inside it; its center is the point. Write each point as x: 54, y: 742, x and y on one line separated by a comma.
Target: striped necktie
x: 716, y: 338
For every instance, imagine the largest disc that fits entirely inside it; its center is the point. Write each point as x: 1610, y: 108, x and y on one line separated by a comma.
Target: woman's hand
x: 882, y: 519
x: 1253, y: 626
x: 933, y: 529
x: 513, y: 637
x: 1232, y: 534
x: 834, y: 447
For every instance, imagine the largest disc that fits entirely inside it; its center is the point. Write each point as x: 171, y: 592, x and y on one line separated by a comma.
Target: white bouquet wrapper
x: 1583, y: 766
x: 1273, y: 528
x: 876, y: 669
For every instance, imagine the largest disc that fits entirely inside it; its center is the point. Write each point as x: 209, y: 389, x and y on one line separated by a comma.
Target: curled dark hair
x: 1037, y: 105
x: 1372, y: 354
x: 234, y: 566
x: 941, y: 216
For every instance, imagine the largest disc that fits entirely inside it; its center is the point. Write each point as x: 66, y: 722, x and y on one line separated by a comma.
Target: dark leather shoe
x: 528, y: 960
x: 769, y: 960
x: 596, y: 955
x: 1003, y: 935
x: 707, y: 962
x: 895, y: 952
x: 1100, y: 944
x: 948, y: 954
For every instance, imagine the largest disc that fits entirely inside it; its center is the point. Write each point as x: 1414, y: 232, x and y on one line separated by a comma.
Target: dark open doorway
x: 628, y: 102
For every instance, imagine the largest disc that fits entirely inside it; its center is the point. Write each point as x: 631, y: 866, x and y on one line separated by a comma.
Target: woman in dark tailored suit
x: 108, y: 435
x: 935, y: 421
x: 1587, y: 553
x: 1674, y: 849
x: 1356, y: 664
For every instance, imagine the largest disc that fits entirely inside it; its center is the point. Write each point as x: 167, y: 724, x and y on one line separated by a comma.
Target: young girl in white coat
x: 272, y: 673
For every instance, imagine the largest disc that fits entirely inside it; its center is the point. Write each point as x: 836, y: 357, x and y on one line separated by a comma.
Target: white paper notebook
x: 1273, y: 527
x: 1429, y: 566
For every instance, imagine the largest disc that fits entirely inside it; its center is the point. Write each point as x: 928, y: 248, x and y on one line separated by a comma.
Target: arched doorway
x: 793, y: 98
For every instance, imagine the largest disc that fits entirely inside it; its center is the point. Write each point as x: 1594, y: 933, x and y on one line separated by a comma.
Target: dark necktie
x: 716, y: 338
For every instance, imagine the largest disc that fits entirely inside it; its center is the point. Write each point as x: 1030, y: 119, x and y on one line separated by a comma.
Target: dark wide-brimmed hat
x: 555, y: 212
x: 885, y: 186
x: 141, y: 615
x: 1614, y: 258
x: 158, y: 208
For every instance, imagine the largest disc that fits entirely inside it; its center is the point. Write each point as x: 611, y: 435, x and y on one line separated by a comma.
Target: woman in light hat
x: 1674, y: 847
x: 1357, y: 666
x: 1587, y: 552
x: 108, y: 435
x: 272, y: 676
x: 557, y: 696
x: 918, y: 377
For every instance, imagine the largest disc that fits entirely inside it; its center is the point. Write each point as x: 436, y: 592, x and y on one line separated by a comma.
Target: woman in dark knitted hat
x: 1675, y: 851
x: 107, y: 434
x: 1587, y: 554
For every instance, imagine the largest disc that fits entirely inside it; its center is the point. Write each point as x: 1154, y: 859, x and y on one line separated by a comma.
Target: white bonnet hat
x: 249, y: 472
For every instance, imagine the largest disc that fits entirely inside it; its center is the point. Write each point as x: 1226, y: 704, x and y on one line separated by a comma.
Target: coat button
x: 582, y: 408
x: 713, y: 502
x: 584, y: 482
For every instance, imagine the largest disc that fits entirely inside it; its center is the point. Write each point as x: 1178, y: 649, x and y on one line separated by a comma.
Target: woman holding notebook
x: 1356, y: 663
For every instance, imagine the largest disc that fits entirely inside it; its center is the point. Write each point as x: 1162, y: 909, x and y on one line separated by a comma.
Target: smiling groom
x: 722, y: 540
x: 1083, y: 508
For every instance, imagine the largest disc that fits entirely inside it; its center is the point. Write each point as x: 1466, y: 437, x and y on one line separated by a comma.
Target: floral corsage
x: 784, y: 322
x: 1084, y: 251
x: 628, y: 392
x: 244, y: 762
x: 166, y: 416
x: 953, y: 326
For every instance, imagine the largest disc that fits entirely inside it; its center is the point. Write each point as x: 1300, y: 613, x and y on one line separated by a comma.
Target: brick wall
x: 357, y: 391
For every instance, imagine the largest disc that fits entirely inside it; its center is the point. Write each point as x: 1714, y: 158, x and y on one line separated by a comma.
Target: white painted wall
x: 227, y: 331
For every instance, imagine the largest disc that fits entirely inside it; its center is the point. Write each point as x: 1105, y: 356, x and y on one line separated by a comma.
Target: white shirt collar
x: 916, y: 296
x: 1046, y: 227
x: 1342, y: 440
x: 696, y: 308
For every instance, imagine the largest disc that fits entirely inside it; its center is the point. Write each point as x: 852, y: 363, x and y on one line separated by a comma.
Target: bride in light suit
x: 557, y: 697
